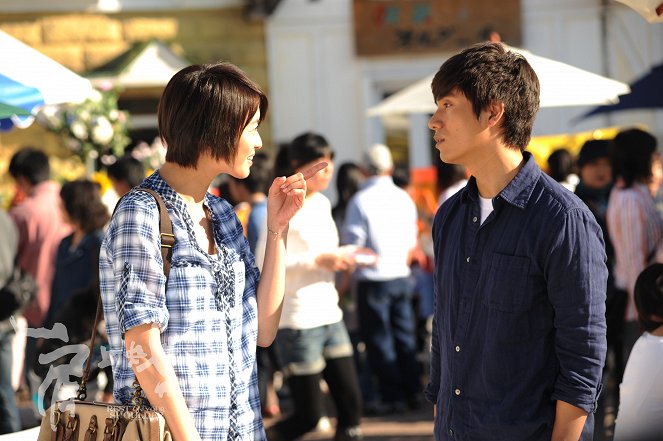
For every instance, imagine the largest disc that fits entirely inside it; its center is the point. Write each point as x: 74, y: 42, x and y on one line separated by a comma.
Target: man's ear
x: 495, y: 113
x: 23, y: 184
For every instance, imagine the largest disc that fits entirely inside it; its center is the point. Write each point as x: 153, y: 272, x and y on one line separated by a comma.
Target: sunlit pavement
x: 411, y: 425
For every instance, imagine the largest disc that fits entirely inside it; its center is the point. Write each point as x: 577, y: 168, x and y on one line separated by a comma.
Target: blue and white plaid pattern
x: 208, y: 330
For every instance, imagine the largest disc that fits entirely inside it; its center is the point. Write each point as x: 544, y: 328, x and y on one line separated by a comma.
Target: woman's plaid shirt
x: 207, y: 315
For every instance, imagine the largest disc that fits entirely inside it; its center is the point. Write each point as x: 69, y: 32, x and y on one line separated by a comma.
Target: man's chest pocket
x: 506, y: 287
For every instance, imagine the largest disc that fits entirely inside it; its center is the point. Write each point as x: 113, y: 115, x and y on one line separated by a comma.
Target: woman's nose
x: 258, y: 144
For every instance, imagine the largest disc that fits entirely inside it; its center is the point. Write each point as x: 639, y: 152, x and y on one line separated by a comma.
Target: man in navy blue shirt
x: 519, y: 334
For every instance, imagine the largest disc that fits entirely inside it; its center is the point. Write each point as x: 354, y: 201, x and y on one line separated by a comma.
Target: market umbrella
x: 651, y: 10
x: 8, y: 111
x: 561, y: 85
x: 646, y: 93
x: 18, y: 96
x: 30, y: 79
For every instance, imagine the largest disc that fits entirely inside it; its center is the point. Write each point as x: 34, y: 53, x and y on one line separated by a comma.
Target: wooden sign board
x: 394, y: 27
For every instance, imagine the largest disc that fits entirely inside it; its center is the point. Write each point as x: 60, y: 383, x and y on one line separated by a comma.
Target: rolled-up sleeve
x: 134, y: 247
x: 576, y: 274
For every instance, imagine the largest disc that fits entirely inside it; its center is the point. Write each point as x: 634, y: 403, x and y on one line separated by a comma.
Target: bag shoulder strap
x: 165, y: 228
x: 167, y: 243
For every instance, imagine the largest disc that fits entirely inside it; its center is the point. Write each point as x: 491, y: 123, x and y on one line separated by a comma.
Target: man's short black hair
x: 30, y: 163
x: 127, y: 169
x: 486, y: 73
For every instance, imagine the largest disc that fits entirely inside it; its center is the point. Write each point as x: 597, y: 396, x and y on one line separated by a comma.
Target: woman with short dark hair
x: 190, y: 338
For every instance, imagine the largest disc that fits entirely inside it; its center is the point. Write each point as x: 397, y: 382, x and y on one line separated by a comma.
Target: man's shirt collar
x: 517, y: 192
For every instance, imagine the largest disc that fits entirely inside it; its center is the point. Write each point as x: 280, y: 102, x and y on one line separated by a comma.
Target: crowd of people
x: 531, y: 300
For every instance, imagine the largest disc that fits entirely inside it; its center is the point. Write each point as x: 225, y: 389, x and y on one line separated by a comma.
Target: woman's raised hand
x: 286, y: 197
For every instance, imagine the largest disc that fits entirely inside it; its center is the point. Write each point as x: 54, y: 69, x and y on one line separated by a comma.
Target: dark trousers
x: 615, y: 309
x: 308, y: 399
x: 268, y: 363
x: 9, y: 418
x: 387, y: 322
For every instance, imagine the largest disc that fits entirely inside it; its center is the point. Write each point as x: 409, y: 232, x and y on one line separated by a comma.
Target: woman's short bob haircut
x: 205, y: 108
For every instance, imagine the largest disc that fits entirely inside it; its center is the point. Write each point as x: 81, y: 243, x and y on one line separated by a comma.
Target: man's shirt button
x: 451, y: 432
x: 457, y: 348
x: 457, y: 391
x: 467, y: 260
x: 474, y: 219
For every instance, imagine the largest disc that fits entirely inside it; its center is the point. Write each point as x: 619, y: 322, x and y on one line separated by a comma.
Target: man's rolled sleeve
x: 577, y: 278
x: 135, y: 247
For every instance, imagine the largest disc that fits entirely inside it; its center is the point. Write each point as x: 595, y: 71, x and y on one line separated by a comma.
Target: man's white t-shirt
x: 486, y: 207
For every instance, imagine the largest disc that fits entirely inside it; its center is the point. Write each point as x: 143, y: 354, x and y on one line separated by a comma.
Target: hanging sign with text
x: 393, y: 27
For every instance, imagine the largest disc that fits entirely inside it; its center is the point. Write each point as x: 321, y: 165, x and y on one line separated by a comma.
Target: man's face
x: 597, y: 173
x: 457, y: 130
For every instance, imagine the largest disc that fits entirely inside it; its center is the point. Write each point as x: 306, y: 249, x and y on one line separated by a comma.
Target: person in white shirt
x: 640, y: 415
x: 383, y: 217
x: 312, y: 339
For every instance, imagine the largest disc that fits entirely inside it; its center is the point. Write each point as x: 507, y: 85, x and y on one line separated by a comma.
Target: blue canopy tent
x: 7, y: 111
x: 646, y: 93
x: 18, y: 96
x: 30, y: 79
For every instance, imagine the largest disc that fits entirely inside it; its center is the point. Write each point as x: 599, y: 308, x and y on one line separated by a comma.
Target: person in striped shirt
x: 633, y: 224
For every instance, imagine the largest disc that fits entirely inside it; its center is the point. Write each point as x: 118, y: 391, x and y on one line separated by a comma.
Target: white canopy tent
x: 30, y: 79
x: 147, y: 64
x: 561, y: 85
x: 30, y: 67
